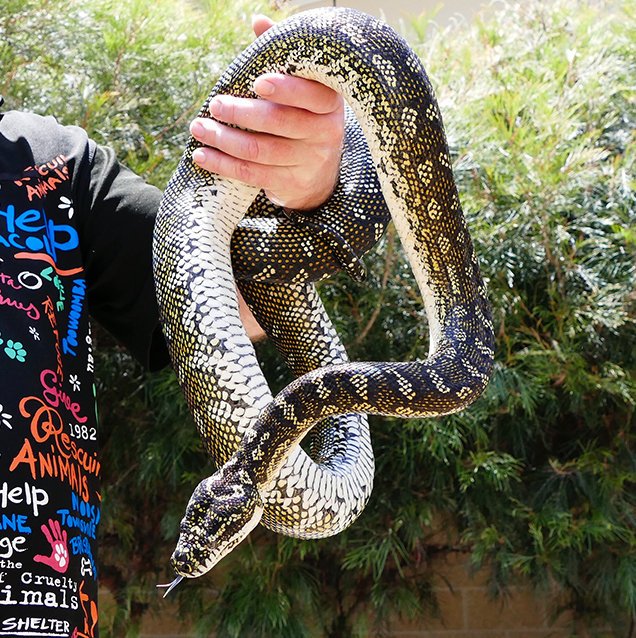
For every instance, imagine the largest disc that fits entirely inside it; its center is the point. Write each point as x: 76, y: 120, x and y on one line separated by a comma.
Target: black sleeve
x: 116, y: 237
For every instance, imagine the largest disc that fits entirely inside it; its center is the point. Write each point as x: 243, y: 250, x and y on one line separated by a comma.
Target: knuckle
x: 300, y: 183
x: 277, y: 119
x: 325, y: 158
x: 252, y: 149
x: 307, y: 184
x: 328, y: 133
x: 334, y: 126
x: 244, y: 172
x: 333, y: 103
x: 225, y: 110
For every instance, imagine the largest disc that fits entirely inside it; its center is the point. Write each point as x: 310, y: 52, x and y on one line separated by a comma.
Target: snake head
x: 223, y: 510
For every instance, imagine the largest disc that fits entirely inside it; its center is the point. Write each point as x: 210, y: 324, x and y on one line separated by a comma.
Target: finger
x: 298, y: 92
x: 285, y: 186
x: 46, y: 532
x: 265, y: 116
x: 252, y: 173
x: 254, y: 147
x: 260, y: 24
x: 55, y: 528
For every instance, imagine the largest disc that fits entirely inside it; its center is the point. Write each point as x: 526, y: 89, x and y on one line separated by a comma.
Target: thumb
x: 47, y: 560
x: 260, y: 24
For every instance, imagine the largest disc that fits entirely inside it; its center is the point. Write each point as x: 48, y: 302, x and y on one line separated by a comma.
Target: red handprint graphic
x: 58, y: 560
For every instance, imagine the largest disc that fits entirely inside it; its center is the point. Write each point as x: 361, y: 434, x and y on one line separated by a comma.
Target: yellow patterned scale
x: 264, y: 475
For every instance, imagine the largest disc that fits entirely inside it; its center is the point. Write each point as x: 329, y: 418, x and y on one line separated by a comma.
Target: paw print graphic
x: 66, y: 204
x: 5, y: 417
x: 14, y: 350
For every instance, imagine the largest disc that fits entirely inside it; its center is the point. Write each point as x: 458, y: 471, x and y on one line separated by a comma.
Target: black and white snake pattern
x: 264, y: 475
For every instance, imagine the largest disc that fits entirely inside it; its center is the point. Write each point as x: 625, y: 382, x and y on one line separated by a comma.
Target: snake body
x: 263, y: 473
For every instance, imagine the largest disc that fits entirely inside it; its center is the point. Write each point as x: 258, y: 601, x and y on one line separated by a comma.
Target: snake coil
x: 264, y: 475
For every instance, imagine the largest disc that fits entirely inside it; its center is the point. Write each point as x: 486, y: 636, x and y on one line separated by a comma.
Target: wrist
x: 307, y: 201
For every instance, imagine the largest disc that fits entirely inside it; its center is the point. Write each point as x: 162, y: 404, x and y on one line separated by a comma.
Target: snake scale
x: 264, y: 475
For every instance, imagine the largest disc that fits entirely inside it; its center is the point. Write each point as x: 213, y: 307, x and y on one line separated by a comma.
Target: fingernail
x: 263, y: 87
x: 196, y: 128
x: 216, y: 107
x: 275, y: 200
x: 198, y: 156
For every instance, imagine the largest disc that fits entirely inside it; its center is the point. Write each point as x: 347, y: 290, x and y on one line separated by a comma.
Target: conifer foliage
x: 536, y: 481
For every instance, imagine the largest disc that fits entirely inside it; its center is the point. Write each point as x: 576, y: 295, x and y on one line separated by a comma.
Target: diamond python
x: 263, y: 474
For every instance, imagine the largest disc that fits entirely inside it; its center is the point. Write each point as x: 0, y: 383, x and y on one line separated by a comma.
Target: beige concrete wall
x: 467, y: 612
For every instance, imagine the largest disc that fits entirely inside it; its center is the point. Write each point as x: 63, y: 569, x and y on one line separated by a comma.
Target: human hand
x: 58, y: 560
x: 252, y: 327
x: 293, y: 146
